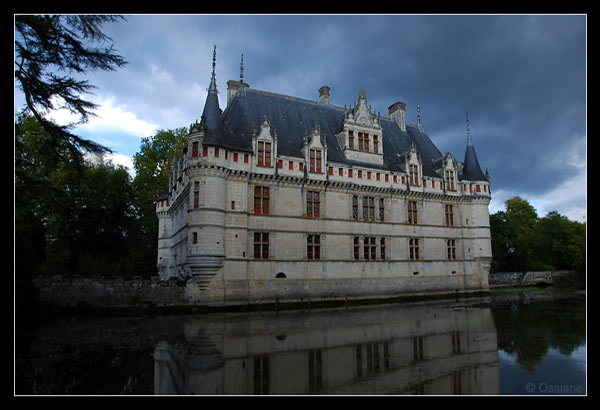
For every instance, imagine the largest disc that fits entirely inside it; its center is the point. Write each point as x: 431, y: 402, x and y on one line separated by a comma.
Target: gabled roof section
x: 294, y: 118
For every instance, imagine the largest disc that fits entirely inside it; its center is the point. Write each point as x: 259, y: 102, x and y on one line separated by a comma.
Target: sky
x: 521, y: 78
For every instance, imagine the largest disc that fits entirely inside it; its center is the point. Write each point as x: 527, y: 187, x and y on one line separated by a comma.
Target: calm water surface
x: 514, y: 342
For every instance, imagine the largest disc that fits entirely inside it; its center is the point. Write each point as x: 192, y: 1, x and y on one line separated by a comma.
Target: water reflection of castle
x: 398, y: 349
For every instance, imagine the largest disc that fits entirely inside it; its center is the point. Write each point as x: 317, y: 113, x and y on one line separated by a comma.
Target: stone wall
x: 500, y: 279
x: 99, y: 291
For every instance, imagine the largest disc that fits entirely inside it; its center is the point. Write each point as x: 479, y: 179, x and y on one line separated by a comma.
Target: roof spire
x: 213, y: 80
x: 419, y: 125
x: 242, y: 69
x: 469, y: 141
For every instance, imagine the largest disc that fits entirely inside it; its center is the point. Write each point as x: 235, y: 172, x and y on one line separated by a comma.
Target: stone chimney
x: 398, y: 113
x: 324, y: 95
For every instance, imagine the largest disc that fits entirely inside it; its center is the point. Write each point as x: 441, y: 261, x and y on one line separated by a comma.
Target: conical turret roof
x: 211, y: 116
x: 471, y: 168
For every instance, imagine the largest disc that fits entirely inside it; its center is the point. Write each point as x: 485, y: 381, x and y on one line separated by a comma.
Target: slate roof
x: 471, y: 169
x: 293, y: 118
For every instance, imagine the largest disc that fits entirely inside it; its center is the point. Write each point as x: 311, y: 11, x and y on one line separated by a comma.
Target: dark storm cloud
x: 521, y: 78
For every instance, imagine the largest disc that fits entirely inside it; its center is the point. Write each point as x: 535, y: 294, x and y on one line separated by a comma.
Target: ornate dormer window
x: 362, y: 135
x: 448, y: 169
x: 315, y: 151
x: 413, y: 165
x: 265, y: 145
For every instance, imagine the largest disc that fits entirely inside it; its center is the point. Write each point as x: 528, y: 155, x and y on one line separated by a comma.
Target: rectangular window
x: 412, y: 212
x: 354, y: 207
x: 381, y: 210
x: 413, y: 174
x: 450, y: 180
x: 451, y: 246
x: 261, y: 245
x: 216, y: 152
x: 315, y: 371
x: 264, y: 154
x: 291, y: 165
x: 194, y: 149
x: 280, y: 164
x: 341, y: 172
x: 367, y: 142
x: 375, y: 144
x: 205, y: 151
x: 350, y: 173
x: 196, y: 194
x: 368, y: 208
x: 356, y: 248
x: 261, y: 200
x: 449, y: 215
x: 359, y: 173
x: 315, y: 160
x: 330, y: 170
x: 413, y: 249
x: 235, y: 157
x: 261, y: 375
x: 361, y: 142
x: 351, y: 139
x: 370, y: 248
x: 313, y: 247
x: 313, y: 204
x: 382, y: 248
x: 245, y: 158
x: 194, y: 238
x: 418, y: 348
x: 301, y: 165
x: 478, y: 188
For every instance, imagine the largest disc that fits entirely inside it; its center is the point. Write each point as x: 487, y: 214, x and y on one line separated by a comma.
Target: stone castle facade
x: 281, y: 199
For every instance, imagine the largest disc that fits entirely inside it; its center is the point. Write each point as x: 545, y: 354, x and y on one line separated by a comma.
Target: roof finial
x: 469, y: 141
x: 419, y: 125
x: 213, y: 81
x: 242, y: 69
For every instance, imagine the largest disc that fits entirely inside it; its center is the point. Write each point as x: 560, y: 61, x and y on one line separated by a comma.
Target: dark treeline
x: 85, y: 218
x: 521, y: 241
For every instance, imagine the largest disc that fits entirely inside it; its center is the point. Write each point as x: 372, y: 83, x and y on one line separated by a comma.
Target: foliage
x: 70, y: 218
x: 86, y: 219
x: 521, y: 241
x: 152, y: 164
x: 46, y: 46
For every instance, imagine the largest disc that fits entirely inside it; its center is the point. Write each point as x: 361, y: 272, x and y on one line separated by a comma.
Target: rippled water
x: 513, y: 342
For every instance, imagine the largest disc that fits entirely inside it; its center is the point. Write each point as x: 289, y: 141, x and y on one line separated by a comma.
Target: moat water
x: 514, y: 342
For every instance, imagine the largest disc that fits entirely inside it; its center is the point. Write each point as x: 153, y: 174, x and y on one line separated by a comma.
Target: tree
x: 70, y: 219
x: 47, y: 46
x: 152, y: 165
x: 521, y: 218
x: 521, y: 241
